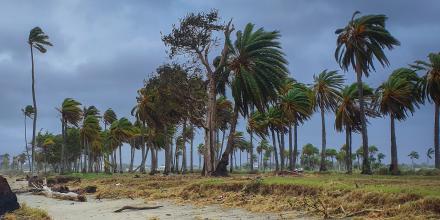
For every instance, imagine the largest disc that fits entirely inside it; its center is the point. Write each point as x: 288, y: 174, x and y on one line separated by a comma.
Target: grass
x: 27, y: 213
x: 331, y: 194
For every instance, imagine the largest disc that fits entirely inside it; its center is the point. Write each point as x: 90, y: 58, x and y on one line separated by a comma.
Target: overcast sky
x: 103, y: 50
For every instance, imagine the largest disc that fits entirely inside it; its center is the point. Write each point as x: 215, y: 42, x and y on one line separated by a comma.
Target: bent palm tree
x: 28, y: 112
x: 70, y: 114
x: 297, y: 106
x: 431, y: 89
x: 258, y: 67
x: 121, y: 131
x: 397, y: 97
x: 348, y: 115
x: 358, y: 43
x: 39, y: 40
x: 326, y: 90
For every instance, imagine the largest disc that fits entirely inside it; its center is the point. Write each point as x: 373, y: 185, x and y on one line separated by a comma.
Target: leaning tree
x: 363, y: 39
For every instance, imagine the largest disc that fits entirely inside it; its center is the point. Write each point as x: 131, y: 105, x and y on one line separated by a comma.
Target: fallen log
x: 137, y: 208
x: 46, y: 191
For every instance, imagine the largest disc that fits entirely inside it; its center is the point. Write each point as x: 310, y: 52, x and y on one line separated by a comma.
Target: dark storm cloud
x: 104, y: 49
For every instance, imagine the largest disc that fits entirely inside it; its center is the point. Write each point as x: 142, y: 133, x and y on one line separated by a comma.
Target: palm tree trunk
x: 324, y: 141
x: 366, y: 169
x: 277, y: 168
x: 34, y: 101
x: 348, y: 150
x: 63, y: 145
x: 221, y: 146
x: 184, y: 151
x: 280, y: 145
x: 251, y: 159
x: 295, y: 145
x: 120, y: 159
x: 144, y: 158
x: 291, y: 167
x: 221, y: 168
x: 192, y: 154
x: 26, y: 144
x: 436, y: 137
x: 130, y: 169
x: 210, y: 141
x: 394, y: 164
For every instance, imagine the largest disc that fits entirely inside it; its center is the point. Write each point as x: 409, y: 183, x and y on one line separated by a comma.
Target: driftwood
x: 137, y: 208
x: 48, y: 192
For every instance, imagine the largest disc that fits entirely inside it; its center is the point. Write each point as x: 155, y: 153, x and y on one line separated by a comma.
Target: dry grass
x: 334, y: 196
x: 27, y: 213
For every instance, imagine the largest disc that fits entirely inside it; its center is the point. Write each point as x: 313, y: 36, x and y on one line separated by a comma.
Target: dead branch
x: 137, y: 208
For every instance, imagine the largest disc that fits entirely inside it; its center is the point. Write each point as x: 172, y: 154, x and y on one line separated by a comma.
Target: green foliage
x: 326, y: 89
x: 38, y: 39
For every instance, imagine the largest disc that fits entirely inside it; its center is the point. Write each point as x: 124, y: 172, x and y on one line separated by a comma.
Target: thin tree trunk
x: 144, y: 158
x: 221, y: 147
x: 394, y: 164
x: 277, y: 166
x: 291, y: 166
x: 120, y: 159
x: 349, y: 149
x: 251, y: 159
x: 184, y: 150
x: 211, y: 128
x: 324, y: 142
x: 366, y: 162
x: 192, y: 152
x: 34, y: 101
x: 436, y: 137
x: 132, y: 152
x: 26, y: 144
x: 280, y: 145
x: 295, y: 145
x: 63, y: 145
x: 221, y: 168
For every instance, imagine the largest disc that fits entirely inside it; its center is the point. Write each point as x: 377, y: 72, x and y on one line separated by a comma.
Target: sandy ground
x: 103, y: 209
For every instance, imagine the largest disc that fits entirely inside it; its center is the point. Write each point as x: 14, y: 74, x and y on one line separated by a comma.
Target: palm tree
x: 363, y: 39
x: 90, y: 134
x: 109, y: 117
x: 70, y: 114
x: 263, y: 146
x: 200, y: 150
x: 431, y: 89
x: 397, y: 97
x: 276, y: 122
x: 413, y: 155
x: 121, y: 131
x: 429, y: 153
x: 348, y: 115
x: 297, y: 106
x: 38, y: 40
x: 28, y: 112
x: 326, y: 89
x: 332, y: 153
x: 258, y: 67
x: 380, y: 157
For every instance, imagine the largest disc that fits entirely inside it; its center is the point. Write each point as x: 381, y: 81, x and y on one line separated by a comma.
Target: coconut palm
x: 397, y: 97
x: 413, y: 155
x: 380, y: 157
x: 326, y: 90
x: 348, y: 115
x: 70, y: 114
x: 258, y: 68
x: 263, y: 146
x: 358, y: 44
x: 38, y: 40
x: 120, y: 132
x: 108, y: 118
x: 28, y: 112
x: 297, y: 106
x: 431, y: 89
x: 276, y: 123
x: 90, y: 134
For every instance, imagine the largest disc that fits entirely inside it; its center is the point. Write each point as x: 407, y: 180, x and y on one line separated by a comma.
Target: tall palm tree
x: 348, y: 115
x: 71, y: 113
x: 109, y: 117
x: 120, y: 132
x: 363, y: 39
x: 28, y: 112
x: 258, y: 67
x: 397, y: 97
x: 297, y: 106
x: 431, y: 89
x: 38, y: 40
x: 90, y: 133
x: 413, y: 155
x: 326, y: 89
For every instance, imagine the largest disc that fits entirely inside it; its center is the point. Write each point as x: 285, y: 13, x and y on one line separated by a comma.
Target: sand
x: 103, y: 209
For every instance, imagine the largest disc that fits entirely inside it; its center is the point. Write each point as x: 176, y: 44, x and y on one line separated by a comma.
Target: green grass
x: 92, y: 175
